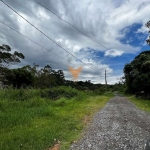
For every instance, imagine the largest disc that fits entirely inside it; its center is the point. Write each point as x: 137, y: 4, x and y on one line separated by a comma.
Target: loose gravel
x: 120, y: 125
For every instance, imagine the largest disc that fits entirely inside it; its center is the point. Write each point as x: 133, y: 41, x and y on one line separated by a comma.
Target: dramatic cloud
x: 107, y: 22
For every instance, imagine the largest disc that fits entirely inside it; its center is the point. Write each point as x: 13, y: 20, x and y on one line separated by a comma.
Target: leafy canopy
x: 137, y: 73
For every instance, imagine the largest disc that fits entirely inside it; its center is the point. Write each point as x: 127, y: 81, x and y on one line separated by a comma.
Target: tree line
x: 33, y: 76
x: 39, y: 77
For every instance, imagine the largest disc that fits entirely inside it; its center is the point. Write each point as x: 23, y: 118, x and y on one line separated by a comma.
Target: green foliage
x: 28, y: 121
x: 49, y: 94
x: 108, y: 94
x: 19, y: 78
x: 45, y: 77
x: 137, y: 73
x: 19, y: 94
x: 57, y: 93
x: 100, y: 90
x: 141, y: 103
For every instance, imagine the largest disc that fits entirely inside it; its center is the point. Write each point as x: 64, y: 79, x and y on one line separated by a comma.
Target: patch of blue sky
x: 100, y: 56
x: 116, y: 63
x: 132, y: 37
x: 119, y: 61
x: 91, y: 54
x: 145, y: 47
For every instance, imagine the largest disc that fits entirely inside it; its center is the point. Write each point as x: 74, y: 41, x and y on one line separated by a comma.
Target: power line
x: 45, y: 34
x: 70, y: 24
x: 35, y: 42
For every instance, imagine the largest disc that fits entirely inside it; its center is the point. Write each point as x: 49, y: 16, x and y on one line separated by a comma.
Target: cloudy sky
x: 117, y: 25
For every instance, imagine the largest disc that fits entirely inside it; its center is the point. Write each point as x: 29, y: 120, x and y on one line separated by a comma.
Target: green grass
x: 30, y: 122
x: 140, y: 103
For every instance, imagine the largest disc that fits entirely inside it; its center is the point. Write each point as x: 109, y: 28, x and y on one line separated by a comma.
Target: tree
x: 137, y: 73
x: 45, y: 78
x: 59, y: 77
x: 148, y: 26
x: 33, y: 70
x: 7, y: 59
x: 19, y: 78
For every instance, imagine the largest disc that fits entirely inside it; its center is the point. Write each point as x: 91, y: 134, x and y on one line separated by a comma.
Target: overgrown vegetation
x: 29, y: 120
x: 141, y: 103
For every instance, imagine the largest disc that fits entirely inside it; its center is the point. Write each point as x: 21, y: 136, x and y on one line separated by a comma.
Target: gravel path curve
x: 120, y: 125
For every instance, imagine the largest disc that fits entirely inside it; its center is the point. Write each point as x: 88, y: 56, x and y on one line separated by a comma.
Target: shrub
x: 57, y: 93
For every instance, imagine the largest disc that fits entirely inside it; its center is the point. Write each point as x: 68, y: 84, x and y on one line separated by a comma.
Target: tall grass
x: 32, y: 121
x: 143, y: 104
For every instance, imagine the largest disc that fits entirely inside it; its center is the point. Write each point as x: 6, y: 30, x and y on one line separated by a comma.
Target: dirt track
x: 118, y: 126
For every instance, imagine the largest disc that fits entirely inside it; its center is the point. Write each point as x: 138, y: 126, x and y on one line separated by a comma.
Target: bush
x: 59, y: 92
x: 100, y: 91
x: 18, y: 94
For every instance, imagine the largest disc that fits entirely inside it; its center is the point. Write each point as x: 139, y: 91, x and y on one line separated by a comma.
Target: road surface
x: 120, y: 125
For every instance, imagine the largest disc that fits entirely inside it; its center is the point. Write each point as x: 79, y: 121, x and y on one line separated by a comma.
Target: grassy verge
x: 31, y: 122
x: 140, y: 103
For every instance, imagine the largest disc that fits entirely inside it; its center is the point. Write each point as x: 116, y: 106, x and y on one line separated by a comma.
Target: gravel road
x: 120, y: 125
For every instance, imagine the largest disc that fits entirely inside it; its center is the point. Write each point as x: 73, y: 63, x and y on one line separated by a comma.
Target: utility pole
x: 105, y: 81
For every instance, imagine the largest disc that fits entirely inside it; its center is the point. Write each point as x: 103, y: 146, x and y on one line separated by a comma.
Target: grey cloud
x: 23, y: 6
x: 86, y: 15
x: 54, y: 5
x: 9, y: 20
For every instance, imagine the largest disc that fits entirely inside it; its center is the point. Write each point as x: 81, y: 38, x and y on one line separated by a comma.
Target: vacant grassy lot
x: 30, y: 120
x: 140, y: 103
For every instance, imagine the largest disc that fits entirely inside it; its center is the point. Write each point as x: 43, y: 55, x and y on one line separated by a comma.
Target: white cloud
x: 76, y: 48
x: 143, y: 29
x: 113, y: 53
